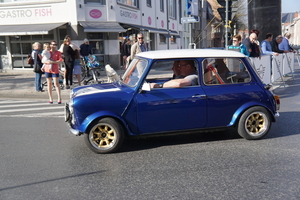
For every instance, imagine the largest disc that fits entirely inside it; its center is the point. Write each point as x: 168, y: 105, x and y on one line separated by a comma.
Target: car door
x: 171, y: 109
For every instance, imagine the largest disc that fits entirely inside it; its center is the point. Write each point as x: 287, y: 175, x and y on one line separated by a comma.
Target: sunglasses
x: 54, y: 44
x: 141, y: 38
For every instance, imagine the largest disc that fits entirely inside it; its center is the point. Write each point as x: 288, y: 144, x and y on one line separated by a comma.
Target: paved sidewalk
x: 20, y: 84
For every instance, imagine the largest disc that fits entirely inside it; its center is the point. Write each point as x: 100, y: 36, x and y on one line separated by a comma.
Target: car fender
x: 244, y: 107
x: 98, y: 115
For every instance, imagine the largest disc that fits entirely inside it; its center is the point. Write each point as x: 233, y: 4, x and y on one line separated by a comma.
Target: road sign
x: 190, y: 19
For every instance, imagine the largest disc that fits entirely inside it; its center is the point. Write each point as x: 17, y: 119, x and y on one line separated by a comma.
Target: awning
x: 102, y: 27
x: 150, y: 29
x: 28, y: 29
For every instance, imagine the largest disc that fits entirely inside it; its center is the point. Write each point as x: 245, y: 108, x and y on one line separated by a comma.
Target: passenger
x: 189, y: 76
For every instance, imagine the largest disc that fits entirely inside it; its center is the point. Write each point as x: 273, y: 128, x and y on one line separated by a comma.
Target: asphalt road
x: 39, y: 159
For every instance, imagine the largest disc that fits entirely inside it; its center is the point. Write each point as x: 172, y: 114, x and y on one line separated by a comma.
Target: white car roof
x: 190, y: 53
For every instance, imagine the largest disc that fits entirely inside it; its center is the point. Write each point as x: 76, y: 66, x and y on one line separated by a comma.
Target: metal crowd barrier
x: 273, y: 68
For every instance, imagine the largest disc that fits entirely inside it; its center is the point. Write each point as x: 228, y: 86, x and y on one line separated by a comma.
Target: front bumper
x: 68, y: 118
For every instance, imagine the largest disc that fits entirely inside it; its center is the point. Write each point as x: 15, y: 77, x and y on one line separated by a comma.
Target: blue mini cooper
x: 223, y: 91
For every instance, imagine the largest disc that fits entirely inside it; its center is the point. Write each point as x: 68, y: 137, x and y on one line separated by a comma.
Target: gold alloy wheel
x: 256, y: 123
x: 102, y: 136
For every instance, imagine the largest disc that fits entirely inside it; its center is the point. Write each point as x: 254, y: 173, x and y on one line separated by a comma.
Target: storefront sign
x: 128, y: 16
x: 26, y: 13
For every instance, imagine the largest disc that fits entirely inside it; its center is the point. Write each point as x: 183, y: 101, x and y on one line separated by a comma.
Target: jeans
x: 38, y: 81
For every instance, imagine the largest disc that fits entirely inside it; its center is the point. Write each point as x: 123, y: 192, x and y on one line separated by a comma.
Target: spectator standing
x: 126, y: 51
x: 74, y: 46
x: 37, y: 57
x: 266, y: 47
x: 55, y: 61
x: 85, y: 48
x: 69, y: 56
x: 285, y: 45
x: 275, y: 44
x: 236, y: 44
x: 251, y: 45
x: 138, y: 47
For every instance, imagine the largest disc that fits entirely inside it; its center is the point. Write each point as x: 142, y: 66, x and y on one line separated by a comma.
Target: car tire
x: 105, y: 136
x: 254, y: 123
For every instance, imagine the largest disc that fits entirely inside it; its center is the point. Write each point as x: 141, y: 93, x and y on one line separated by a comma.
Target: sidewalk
x: 20, y: 84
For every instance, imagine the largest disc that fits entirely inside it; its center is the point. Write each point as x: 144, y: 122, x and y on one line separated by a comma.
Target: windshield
x: 134, y: 71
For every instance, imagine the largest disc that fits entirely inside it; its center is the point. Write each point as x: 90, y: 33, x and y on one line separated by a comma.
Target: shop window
x: 173, y: 39
x: 95, y: 36
x: 133, y: 3
x: 162, y: 38
x: 102, y: 2
x: 37, y: 37
x: 172, y: 9
x: 2, y: 46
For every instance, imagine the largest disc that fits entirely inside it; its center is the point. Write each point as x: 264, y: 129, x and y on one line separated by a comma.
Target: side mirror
x: 146, y: 87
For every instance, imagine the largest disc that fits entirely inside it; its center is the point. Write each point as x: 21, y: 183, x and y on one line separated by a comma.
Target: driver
x: 188, y: 76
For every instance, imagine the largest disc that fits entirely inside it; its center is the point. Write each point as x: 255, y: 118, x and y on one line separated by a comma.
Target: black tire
x: 105, y: 136
x: 254, y: 123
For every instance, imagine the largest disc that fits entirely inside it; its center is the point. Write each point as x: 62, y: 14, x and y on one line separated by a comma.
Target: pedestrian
x: 85, y: 48
x: 285, y: 44
x: 125, y: 51
x: 69, y: 56
x: 77, y: 67
x: 138, y: 47
x: 55, y: 61
x: 266, y: 46
x: 237, y: 44
x: 275, y: 44
x: 74, y: 46
x: 251, y: 45
x: 37, y: 65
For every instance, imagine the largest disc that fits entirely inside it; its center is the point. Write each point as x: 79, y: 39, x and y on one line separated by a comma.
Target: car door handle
x: 202, y: 96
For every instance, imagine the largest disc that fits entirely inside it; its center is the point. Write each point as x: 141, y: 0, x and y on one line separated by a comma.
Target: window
x: 224, y: 71
x: 162, y: 38
x: 172, y: 9
x: 102, y: 2
x: 180, y: 11
x: 161, y: 5
x: 149, y: 3
x: 96, y: 41
x: 133, y: 3
x: 2, y: 46
x: 30, y: 1
x: 162, y: 71
x: 173, y: 39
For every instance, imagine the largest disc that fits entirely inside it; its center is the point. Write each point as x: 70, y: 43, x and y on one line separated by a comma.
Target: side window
x: 160, y: 70
x: 174, y: 73
x: 224, y: 71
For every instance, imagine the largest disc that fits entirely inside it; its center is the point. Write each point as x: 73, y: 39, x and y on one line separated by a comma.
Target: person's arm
x: 175, y: 83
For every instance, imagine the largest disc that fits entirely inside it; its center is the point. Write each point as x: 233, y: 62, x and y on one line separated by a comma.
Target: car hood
x: 96, y: 88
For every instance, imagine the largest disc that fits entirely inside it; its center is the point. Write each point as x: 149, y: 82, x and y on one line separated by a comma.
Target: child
x: 77, y: 66
x: 46, y: 56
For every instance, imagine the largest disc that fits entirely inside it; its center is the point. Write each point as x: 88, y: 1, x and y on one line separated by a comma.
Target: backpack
x: 30, y: 60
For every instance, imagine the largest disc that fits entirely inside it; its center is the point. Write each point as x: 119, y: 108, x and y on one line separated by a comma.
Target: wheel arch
x: 238, y: 113
x: 89, y: 120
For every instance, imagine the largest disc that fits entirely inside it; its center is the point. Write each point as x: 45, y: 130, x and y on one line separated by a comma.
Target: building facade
x: 104, y: 22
